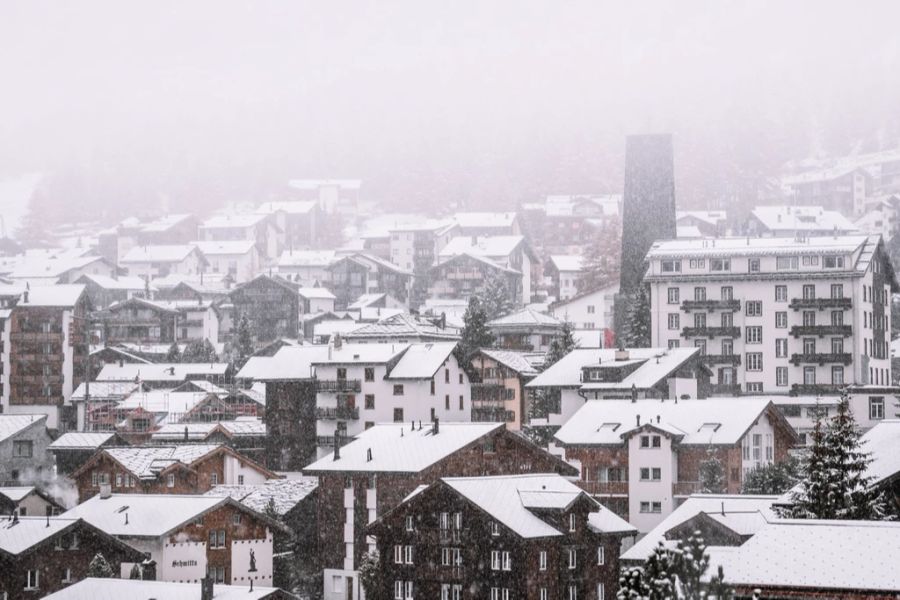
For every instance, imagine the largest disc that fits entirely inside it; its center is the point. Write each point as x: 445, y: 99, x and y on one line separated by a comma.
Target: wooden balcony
x: 721, y: 359
x: 484, y: 414
x: 338, y: 385
x: 337, y: 413
x: 328, y: 440
x: 845, y: 358
x: 711, y: 332
x: 604, y: 488
x: 725, y: 389
x: 821, y: 303
x: 685, y: 488
x: 822, y: 330
x: 710, y: 305
x: 816, y: 389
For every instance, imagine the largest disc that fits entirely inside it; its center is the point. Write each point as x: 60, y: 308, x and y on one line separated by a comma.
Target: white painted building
x: 590, y: 310
x: 508, y: 251
x: 151, y: 262
x: 239, y: 258
x: 308, y: 267
x: 566, y: 270
x: 360, y: 385
x: 776, y: 315
x: 315, y: 300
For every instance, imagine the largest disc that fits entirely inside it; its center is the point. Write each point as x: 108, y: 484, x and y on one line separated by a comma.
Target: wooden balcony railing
x: 815, y: 389
x: 729, y: 305
x: 822, y: 358
x: 711, y: 332
x: 340, y: 412
x: 721, y: 359
x: 822, y: 330
x: 821, y: 303
x: 685, y: 488
x: 730, y: 389
x: 604, y: 488
x: 338, y: 385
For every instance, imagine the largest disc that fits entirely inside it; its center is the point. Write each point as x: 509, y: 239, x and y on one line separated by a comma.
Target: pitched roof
x: 656, y: 364
x: 710, y: 421
x: 17, y: 536
x: 170, y: 253
x: 81, y: 440
x: 491, y: 246
x: 11, y: 425
x: 802, y: 218
x: 285, y: 494
x: 525, y: 317
x: 17, y: 493
x: 567, y: 262
x: 510, y: 500
x: 883, y: 441
x: 397, y: 448
x: 227, y: 248
x: 818, y: 556
x: 524, y: 363
x: 122, y: 282
x: 59, y: 295
x: 171, y: 372
x: 421, y: 361
x: 116, y: 589
x: 694, y: 505
x: 317, y: 293
x: 146, y: 462
x: 174, y: 405
x: 236, y: 428
x: 403, y: 326
x: 743, y: 246
x: 148, y: 515
x: 289, y: 363
x: 362, y: 354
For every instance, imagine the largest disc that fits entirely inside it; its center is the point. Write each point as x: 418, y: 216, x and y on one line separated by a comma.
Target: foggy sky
x: 487, y: 102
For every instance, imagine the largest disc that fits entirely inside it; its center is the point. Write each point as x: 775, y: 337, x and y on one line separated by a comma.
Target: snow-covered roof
x: 161, y: 224
x: 819, y: 556
x: 350, y: 353
x: 316, y: 293
x: 306, y: 258
x: 290, y: 362
x: 487, y: 220
x: 59, y: 295
x: 403, y: 326
x: 524, y: 363
x: 241, y: 427
x: 567, y: 262
x: 105, y: 389
x: 147, y: 461
x: 122, y: 282
x: 330, y: 327
x: 174, y: 405
x: 18, y: 536
x: 802, y: 218
x: 29, y: 266
x: 149, y: 515
x: 510, y: 500
x: 883, y: 441
x: 366, y: 300
x: 284, y: 493
x: 688, y: 232
x: 17, y: 493
x: 396, y: 447
x: 730, y: 504
x: 227, y: 221
x: 711, y: 217
x: 10, y: 425
x: 81, y: 440
x: 657, y: 363
x: 135, y: 589
x: 524, y: 317
x: 490, y: 246
x: 292, y: 207
x: 421, y: 361
x: 225, y: 248
x: 743, y: 246
x: 156, y: 254
x: 705, y: 422
x: 171, y: 372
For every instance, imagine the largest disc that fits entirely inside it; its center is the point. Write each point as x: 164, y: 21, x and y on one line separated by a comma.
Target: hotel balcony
x: 821, y: 303
x: 844, y: 358
x: 822, y: 330
x: 721, y: 359
x: 727, y: 305
x: 604, y: 488
x: 711, y: 332
x: 815, y: 389
x: 685, y: 488
x: 340, y: 412
x: 338, y: 385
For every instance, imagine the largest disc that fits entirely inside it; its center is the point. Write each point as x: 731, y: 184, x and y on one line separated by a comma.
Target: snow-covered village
x: 511, y: 300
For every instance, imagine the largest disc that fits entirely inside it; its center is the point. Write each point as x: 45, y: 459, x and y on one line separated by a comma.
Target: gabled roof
x: 366, y: 300
x: 524, y: 317
x: 163, y: 223
x: 403, y: 326
x: 567, y: 262
x: 730, y: 504
x: 285, y: 494
x: 716, y: 421
x: 883, y: 441
x: 19, y: 535
x: 316, y: 293
x: 265, y: 278
x: 118, y: 589
x: 445, y: 260
x: 395, y: 447
x: 81, y: 440
x: 289, y: 363
x: 160, y: 254
x: 491, y: 246
x: 362, y: 354
x: 818, y: 556
x: 171, y: 372
x: 225, y: 248
x: 122, y: 282
x: 802, y: 218
x: 524, y: 363
x: 59, y: 295
x: 236, y: 428
x: 421, y: 361
x: 11, y: 425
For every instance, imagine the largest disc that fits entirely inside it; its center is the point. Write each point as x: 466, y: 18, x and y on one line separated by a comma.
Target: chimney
x: 368, y: 455
x: 185, y: 433
x: 206, y: 588
x: 634, y: 394
x: 638, y: 418
x: 436, y: 426
x: 622, y: 354
x: 723, y: 509
x: 337, y: 446
x: 337, y: 341
x: 105, y: 491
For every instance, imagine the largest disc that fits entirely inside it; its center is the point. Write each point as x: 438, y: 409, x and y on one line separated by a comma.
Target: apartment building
x: 360, y: 385
x: 777, y: 315
x: 374, y: 473
x: 239, y: 260
x: 151, y: 262
x: 790, y: 221
x: 24, y: 440
x: 509, y: 536
x: 592, y: 310
x: 841, y: 188
x: 258, y: 228
x: 564, y: 271
x: 415, y: 247
x: 510, y: 252
x: 526, y: 330
x: 498, y: 393
x: 642, y: 457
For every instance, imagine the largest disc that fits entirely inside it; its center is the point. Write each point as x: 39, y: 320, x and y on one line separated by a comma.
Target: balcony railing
x: 338, y: 385
x: 340, y: 412
x: 604, y: 488
x: 732, y: 305
x: 813, y: 389
x: 685, y: 488
x: 822, y: 330
x: 821, y: 358
x: 821, y: 303
x: 492, y: 415
x: 487, y: 392
x: 328, y: 440
x: 721, y: 359
x: 711, y: 332
x: 730, y: 389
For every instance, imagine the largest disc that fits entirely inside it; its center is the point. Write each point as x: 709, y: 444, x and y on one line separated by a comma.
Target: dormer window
x: 572, y: 522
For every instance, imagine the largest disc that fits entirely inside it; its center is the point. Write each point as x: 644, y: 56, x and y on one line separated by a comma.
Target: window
x: 702, y: 345
x: 655, y: 441
x: 781, y: 320
x: 217, y: 539
x: 809, y: 291
x: 495, y: 560
x: 460, y: 378
x: 656, y: 507
x: 753, y: 265
x: 495, y: 528
x: 727, y: 293
x: 753, y: 335
x: 719, y: 264
x: 673, y: 295
x: 876, y: 408
x: 780, y: 293
x: 810, y: 261
x: 754, y: 387
x: 398, y: 589
x: 572, y: 522
x: 754, y: 361
x: 236, y: 519
x: 369, y: 401
x: 674, y: 320
x: 408, y: 554
x: 754, y: 308
x: 601, y: 591
x: 32, y: 579
x: 837, y: 375
x: 837, y: 345
x: 542, y: 560
x: 727, y: 319
x: 781, y: 348
x: 573, y: 592
x: 591, y: 309
x: 573, y: 558
x: 408, y: 589
x: 787, y: 262
x: 23, y: 448
x: 700, y: 320
x: 809, y: 375
x: 809, y: 318
x: 506, y: 560
x: 699, y: 294
x: 837, y: 291
x: 118, y: 480
x: 601, y: 555
x: 398, y: 554
x: 398, y: 389
x: 398, y: 415
x: 446, y: 403
x: 170, y: 480
x: 410, y: 523
x: 67, y: 576
x: 462, y: 402
x: 837, y: 317
x: 369, y: 374
x: 781, y: 376
x: 645, y: 441
x: 698, y: 263
x: 674, y: 344
x: 213, y: 479
x: 240, y: 480
x: 543, y: 595
x: 671, y: 266
x: 727, y: 347
x: 833, y: 262
x: 651, y: 474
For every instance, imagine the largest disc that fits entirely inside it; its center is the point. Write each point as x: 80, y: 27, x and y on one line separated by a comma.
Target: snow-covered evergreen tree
x: 135, y: 572
x: 495, y: 299
x: 100, y: 567
x: 600, y: 266
x: 174, y: 354
x: 244, y: 347
x: 198, y: 351
x: 712, y: 473
x: 772, y: 478
x: 369, y: 572
x: 475, y: 333
x: 560, y: 345
x: 637, y: 323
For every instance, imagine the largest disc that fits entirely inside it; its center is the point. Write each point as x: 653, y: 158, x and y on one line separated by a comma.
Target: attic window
x: 610, y: 426
x: 712, y: 426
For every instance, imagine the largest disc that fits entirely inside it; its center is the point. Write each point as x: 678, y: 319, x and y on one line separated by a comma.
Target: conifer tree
x: 712, y: 473
x: 772, y: 478
x: 561, y: 345
x: 496, y: 300
x: 244, y: 347
x: 475, y: 333
x: 637, y: 324
x: 99, y: 567
x: 174, y: 354
x: 600, y: 265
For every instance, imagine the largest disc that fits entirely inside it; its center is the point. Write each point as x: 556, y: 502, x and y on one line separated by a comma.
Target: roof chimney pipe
x: 638, y: 419
x: 436, y: 427
x: 633, y: 393
x: 337, y: 445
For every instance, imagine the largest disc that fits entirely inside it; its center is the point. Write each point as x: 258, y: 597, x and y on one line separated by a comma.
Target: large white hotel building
x: 804, y: 316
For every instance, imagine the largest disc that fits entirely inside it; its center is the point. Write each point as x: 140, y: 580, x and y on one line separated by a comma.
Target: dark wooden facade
x: 271, y: 304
